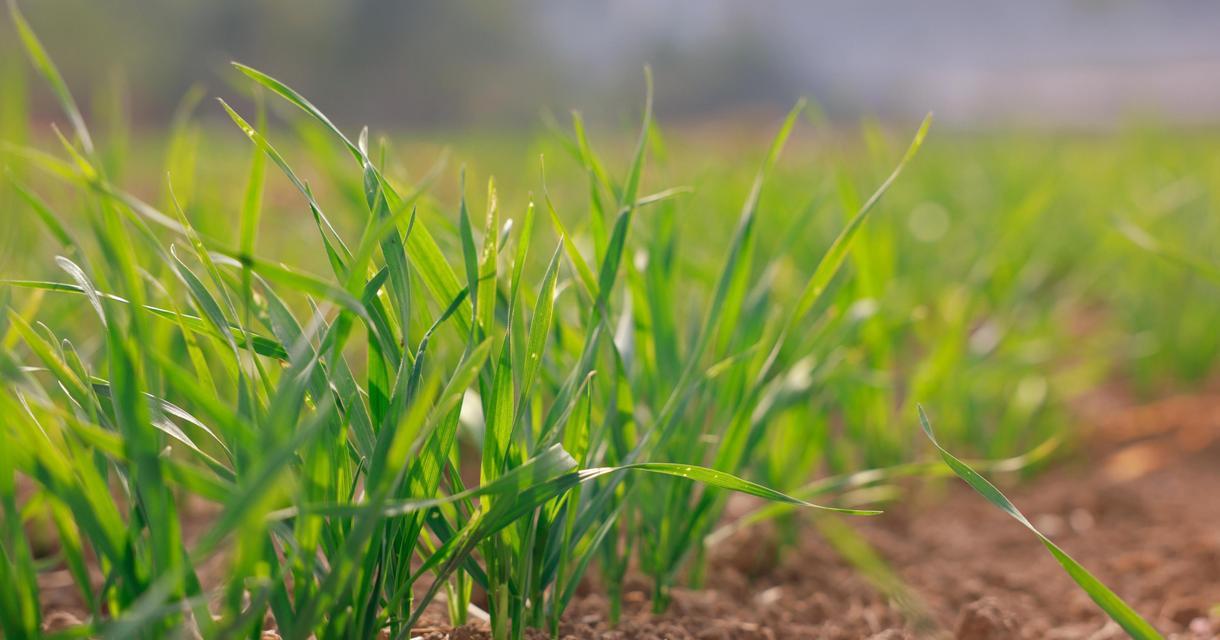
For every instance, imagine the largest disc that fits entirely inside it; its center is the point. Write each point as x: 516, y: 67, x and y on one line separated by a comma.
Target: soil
x: 1140, y: 508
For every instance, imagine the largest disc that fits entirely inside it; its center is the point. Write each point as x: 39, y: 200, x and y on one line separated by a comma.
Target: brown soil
x: 1141, y: 510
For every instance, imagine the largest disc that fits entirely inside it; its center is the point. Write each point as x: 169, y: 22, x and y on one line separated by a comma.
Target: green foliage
x: 384, y: 397
x: 1119, y: 611
x: 341, y: 506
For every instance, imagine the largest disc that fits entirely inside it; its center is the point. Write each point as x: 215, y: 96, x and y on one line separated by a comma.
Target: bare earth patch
x: 1141, y: 510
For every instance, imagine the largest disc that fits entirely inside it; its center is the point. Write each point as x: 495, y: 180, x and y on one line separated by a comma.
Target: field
x: 263, y: 375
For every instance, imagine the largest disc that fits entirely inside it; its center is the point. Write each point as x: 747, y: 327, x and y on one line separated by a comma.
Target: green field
x: 395, y: 377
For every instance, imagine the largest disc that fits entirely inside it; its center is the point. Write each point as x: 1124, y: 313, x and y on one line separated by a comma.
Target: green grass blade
x: 540, y: 329
x: 297, y: 99
x: 1114, y: 606
x: 392, y: 248
x: 720, y: 480
x: 631, y: 185
x: 46, y: 216
x: 1147, y: 242
x: 270, y: 151
x: 42, y: 61
x: 832, y: 260
x: 261, y: 344
x: 252, y: 203
x: 425, y: 254
x: 488, y: 285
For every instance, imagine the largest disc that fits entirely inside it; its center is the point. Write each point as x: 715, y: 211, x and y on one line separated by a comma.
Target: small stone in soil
x: 985, y: 619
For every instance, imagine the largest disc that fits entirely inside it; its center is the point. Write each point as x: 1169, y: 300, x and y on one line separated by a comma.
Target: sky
x: 461, y: 63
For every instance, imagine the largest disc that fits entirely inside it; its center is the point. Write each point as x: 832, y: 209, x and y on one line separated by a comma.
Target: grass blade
x: 1114, y: 606
x: 42, y: 62
x: 722, y: 480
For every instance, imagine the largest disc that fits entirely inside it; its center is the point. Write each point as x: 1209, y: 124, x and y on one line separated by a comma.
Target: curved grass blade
x: 46, y: 216
x: 261, y: 143
x: 421, y: 248
x: 829, y: 265
x: 169, y: 428
x: 262, y: 345
x: 297, y: 99
x: 719, y: 480
x: 42, y: 62
x: 1114, y: 606
x: 856, y: 480
x: 1147, y: 242
x: 82, y: 281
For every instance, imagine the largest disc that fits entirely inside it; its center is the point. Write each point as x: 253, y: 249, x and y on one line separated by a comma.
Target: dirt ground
x: 1141, y: 510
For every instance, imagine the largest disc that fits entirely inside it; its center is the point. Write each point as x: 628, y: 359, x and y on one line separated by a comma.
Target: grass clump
x: 325, y: 416
x: 480, y: 401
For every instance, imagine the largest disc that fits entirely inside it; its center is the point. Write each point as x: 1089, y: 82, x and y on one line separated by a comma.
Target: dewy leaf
x: 1114, y: 606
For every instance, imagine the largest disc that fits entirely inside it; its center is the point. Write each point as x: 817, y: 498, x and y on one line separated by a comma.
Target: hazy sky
x: 462, y: 62
x: 1039, y: 59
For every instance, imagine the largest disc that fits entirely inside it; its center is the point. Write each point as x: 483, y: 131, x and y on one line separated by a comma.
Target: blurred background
x: 997, y: 277
x: 461, y: 63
